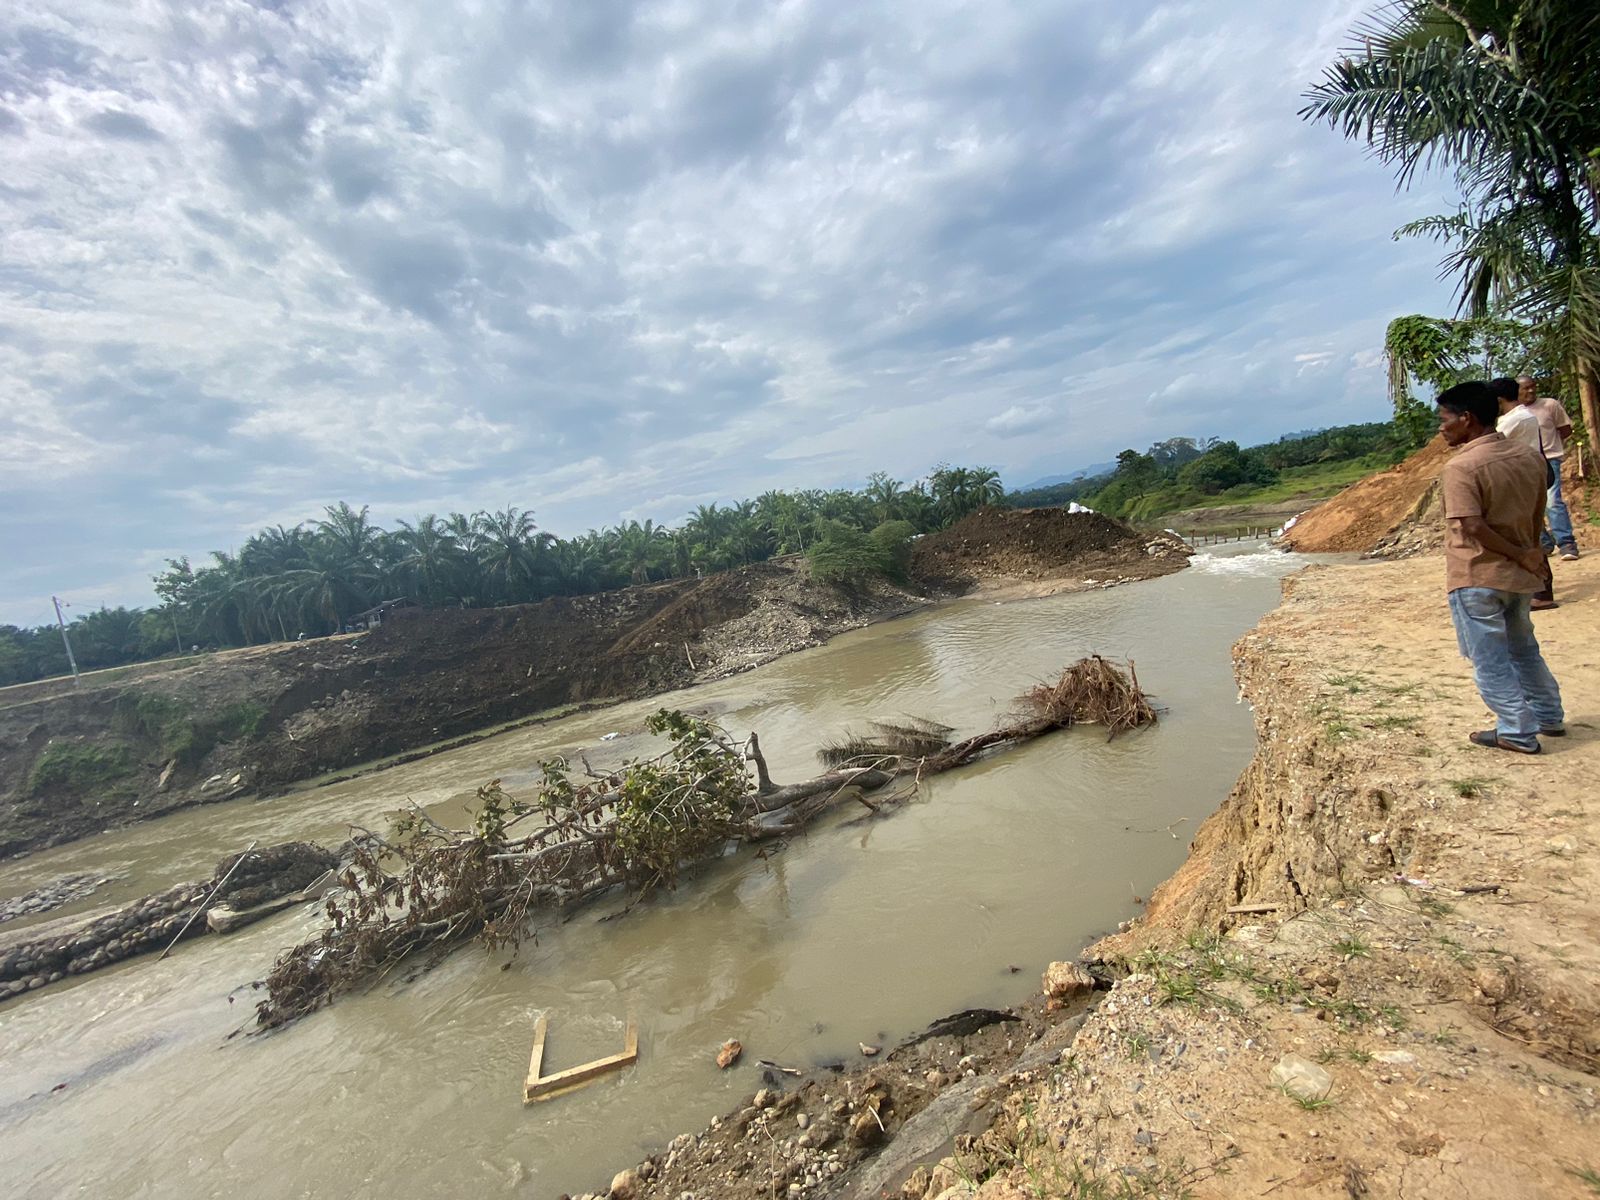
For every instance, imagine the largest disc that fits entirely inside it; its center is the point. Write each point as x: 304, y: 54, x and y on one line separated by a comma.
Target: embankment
x: 136, y: 743
x: 1373, y: 976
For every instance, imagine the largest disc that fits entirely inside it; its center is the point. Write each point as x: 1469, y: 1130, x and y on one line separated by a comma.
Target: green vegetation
x: 78, y: 768
x: 316, y: 577
x: 1185, y: 473
x: 1500, y: 93
x: 173, y: 730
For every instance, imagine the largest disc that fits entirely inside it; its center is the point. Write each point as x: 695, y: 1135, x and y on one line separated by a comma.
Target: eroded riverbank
x: 1406, y: 922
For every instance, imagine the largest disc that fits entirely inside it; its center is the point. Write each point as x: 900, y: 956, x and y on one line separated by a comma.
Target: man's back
x: 1503, y: 483
x: 1519, y: 425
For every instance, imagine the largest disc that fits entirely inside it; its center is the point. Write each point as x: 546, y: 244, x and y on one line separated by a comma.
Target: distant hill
x: 1092, y: 469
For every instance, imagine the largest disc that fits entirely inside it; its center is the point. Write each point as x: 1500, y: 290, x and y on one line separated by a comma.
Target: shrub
x: 845, y: 557
x: 893, y: 541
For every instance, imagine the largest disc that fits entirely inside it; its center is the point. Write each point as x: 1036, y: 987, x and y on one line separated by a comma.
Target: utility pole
x: 66, y: 641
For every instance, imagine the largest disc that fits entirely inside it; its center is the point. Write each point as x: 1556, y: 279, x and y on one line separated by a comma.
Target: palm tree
x: 507, y: 554
x: 1502, y: 93
x: 640, y: 548
x: 431, y: 560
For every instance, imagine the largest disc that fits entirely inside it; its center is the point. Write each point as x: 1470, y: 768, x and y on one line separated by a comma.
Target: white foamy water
x: 1262, y: 562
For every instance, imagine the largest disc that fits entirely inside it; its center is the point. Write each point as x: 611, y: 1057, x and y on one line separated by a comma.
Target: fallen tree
x: 426, y: 887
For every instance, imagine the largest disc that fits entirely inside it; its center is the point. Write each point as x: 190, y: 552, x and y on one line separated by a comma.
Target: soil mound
x: 1381, y: 508
x: 1024, y: 543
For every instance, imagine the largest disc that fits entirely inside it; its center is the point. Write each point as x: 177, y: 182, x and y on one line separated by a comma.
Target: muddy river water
x: 125, y: 1083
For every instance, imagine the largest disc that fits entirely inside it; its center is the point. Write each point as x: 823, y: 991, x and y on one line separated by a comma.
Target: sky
x: 612, y: 259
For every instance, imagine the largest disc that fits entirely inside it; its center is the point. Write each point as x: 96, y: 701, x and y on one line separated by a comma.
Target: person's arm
x: 1480, y: 531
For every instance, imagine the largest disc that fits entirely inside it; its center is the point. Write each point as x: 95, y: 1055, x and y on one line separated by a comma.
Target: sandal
x: 1491, y: 739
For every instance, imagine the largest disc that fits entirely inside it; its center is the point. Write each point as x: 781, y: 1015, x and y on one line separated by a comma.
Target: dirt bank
x: 136, y: 743
x: 1403, y: 927
x: 1372, y: 509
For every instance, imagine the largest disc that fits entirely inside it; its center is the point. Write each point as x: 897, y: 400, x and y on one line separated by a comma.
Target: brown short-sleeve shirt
x: 1503, y: 483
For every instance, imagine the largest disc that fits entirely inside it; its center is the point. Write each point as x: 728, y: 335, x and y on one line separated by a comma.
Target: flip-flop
x: 1491, y: 739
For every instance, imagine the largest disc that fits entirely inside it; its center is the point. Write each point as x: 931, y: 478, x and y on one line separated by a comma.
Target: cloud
x: 590, y: 258
x: 122, y: 126
x: 1020, y: 419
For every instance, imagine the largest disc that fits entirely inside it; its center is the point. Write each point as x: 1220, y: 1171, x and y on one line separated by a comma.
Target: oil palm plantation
x: 1505, y: 94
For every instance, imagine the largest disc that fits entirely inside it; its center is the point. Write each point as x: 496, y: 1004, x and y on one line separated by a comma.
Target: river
x: 127, y: 1083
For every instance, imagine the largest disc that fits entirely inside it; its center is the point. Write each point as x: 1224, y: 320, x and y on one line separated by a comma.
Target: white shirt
x: 1522, y: 427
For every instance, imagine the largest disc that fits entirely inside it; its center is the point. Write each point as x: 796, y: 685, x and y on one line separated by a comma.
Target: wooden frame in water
x: 546, y: 1087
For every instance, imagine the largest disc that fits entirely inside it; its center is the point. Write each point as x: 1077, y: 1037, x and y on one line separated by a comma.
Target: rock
x: 214, y: 781
x: 1063, y: 980
x: 165, y: 781
x: 1496, y: 983
x: 916, y: 1184
x: 1301, y: 1078
x: 729, y: 1054
x: 802, y: 1120
x: 1395, y: 1058
x: 624, y: 1185
x: 865, y: 1129
x: 869, y: 1051
x: 764, y: 1098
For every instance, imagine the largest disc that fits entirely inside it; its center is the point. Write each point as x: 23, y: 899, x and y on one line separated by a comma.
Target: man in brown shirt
x: 1494, y: 493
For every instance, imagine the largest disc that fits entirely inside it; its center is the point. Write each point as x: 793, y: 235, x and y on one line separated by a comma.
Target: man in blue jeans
x: 1494, y: 496
x: 1555, y: 427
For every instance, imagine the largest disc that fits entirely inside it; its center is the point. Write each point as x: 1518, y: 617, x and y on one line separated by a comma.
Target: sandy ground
x: 1415, y: 920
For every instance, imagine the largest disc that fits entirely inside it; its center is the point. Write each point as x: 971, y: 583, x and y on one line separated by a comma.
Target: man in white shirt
x: 1554, y: 429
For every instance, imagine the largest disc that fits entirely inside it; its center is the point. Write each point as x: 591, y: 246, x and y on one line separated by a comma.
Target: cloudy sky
x: 615, y: 258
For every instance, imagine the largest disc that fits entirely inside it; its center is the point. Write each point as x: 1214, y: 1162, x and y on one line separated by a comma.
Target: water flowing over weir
x: 858, y: 931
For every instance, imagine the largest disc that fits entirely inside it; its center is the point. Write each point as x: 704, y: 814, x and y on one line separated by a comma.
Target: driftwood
x: 428, y: 887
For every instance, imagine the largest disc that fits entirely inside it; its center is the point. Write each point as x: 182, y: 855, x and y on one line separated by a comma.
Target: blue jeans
x: 1494, y: 630
x: 1555, y: 511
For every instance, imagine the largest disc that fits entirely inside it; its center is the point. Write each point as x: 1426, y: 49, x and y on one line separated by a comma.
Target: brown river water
x: 859, y: 931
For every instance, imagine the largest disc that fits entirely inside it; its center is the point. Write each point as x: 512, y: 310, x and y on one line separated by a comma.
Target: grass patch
x: 1587, y: 1176
x: 1310, y: 1103
x: 78, y: 768
x: 1395, y: 722
x: 174, y: 731
x: 1470, y: 787
x: 1352, y: 947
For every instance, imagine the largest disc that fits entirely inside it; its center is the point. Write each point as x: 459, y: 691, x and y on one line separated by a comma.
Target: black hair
x: 1505, y: 387
x: 1476, y: 398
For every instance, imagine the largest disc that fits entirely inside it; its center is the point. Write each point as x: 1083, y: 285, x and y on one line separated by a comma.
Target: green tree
x: 1502, y: 93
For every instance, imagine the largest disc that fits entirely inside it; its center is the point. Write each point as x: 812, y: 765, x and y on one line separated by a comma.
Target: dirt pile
x: 1382, y: 508
x: 996, y: 544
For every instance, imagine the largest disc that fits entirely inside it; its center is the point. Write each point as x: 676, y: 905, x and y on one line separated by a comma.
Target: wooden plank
x: 536, y: 1064
x: 545, y: 1087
